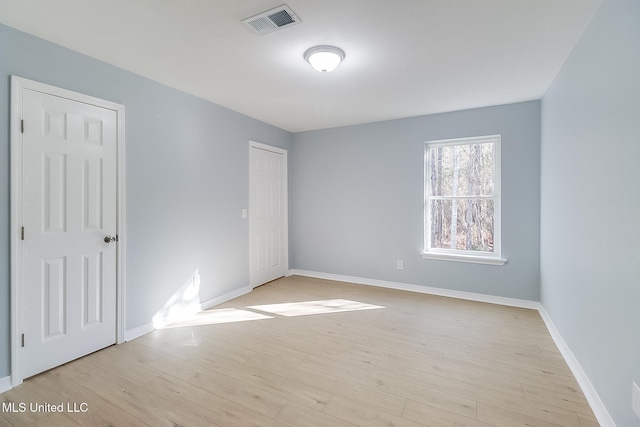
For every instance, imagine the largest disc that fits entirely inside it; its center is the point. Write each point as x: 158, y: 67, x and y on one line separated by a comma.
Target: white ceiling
x: 404, y: 58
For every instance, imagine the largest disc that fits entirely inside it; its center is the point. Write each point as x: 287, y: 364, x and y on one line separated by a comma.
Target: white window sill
x: 476, y: 259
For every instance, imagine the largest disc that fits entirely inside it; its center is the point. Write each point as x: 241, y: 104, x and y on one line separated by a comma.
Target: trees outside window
x: 462, y: 197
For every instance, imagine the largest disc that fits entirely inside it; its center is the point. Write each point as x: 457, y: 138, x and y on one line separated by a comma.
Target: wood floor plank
x: 256, y: 341
x: 479, y: 393
x: 277, y: 385
x: 295, y: 415
x: 214, y: 408
x: 395, y: 386
x: 588, y: 420
x: 19, y: 416
x: 56, y: 420
x: 449, y: 377
x: 574, y: 402
x: 524, y: 374
x: 74, y: 368
x: 365, y: 334
x: 527, y: 408
x: 363, y: 415
x: 436, y: 417
x: 398, y: 359
x: 377, y: 354
x: 99, y: 412
x: 503, y: 417
x: 332, y: 384
x: 515, y: 357
x: 130, y: 367
x: 4, y: 422
x: 244, y: 394
x: 137, y: 401
x: 304, y: 339
x: 229, y: 350
x: 179, y: 342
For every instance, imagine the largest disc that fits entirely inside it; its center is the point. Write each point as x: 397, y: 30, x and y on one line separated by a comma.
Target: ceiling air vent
x: 272, y: 20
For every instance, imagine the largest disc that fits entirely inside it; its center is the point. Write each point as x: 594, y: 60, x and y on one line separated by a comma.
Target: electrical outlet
x: 635, y: 399
x: 400, y: 264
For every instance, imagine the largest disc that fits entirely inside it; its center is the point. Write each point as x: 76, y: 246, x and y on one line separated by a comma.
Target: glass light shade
x: 324, y: 58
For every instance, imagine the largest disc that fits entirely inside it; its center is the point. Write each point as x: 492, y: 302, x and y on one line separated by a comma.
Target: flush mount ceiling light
x: 324, y: 58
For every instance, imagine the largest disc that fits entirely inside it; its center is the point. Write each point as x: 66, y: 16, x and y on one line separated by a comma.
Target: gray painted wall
x: 187, y: 178
x: 590, y: 215
x: 357, y: 199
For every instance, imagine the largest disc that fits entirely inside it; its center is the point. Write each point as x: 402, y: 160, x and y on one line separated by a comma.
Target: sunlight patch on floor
x: 305, y: 308
x: 182, y: 310
x: 222, y: 315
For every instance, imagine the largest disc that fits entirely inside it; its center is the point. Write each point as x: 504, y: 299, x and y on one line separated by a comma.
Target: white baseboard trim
x: 5, y: 384
x: 134, y: 333
x: 511, y: 302
x: 597, y: 406
x: 226, y: 297
x: 590, y: 393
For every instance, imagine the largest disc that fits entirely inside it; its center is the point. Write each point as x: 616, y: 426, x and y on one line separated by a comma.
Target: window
x: 462, y: 200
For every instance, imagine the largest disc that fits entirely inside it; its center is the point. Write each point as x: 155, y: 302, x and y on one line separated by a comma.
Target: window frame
x: 480, y: 257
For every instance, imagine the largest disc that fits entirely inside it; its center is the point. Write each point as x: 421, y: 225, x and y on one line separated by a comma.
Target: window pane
x: 468, y: 223
x: 462, y: 170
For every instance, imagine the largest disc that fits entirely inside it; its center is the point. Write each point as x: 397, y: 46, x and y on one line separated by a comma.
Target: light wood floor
x: 368, y: 357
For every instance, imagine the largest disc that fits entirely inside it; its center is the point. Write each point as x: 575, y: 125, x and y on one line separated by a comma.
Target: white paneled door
x: 67, y: 296
x: 267, y: 213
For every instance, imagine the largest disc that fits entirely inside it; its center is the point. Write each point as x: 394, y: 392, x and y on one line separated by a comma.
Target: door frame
x: 18, y: 84
x: 285, y: 201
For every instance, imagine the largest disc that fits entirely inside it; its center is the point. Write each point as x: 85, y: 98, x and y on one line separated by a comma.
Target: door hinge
x: 22, y: 233
x: 21, y: 126
x: 22, y: 340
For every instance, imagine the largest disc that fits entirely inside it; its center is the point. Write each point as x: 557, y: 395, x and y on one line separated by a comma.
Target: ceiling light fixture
x: 324, y: 58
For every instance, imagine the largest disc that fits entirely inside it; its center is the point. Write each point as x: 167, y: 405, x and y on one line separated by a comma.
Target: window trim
x: 478, y: 257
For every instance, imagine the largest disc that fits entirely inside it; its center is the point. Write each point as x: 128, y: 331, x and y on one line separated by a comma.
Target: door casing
x: 16, y: 200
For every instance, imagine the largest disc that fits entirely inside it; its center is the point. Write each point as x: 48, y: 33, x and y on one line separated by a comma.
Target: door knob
x: 109, y: 239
